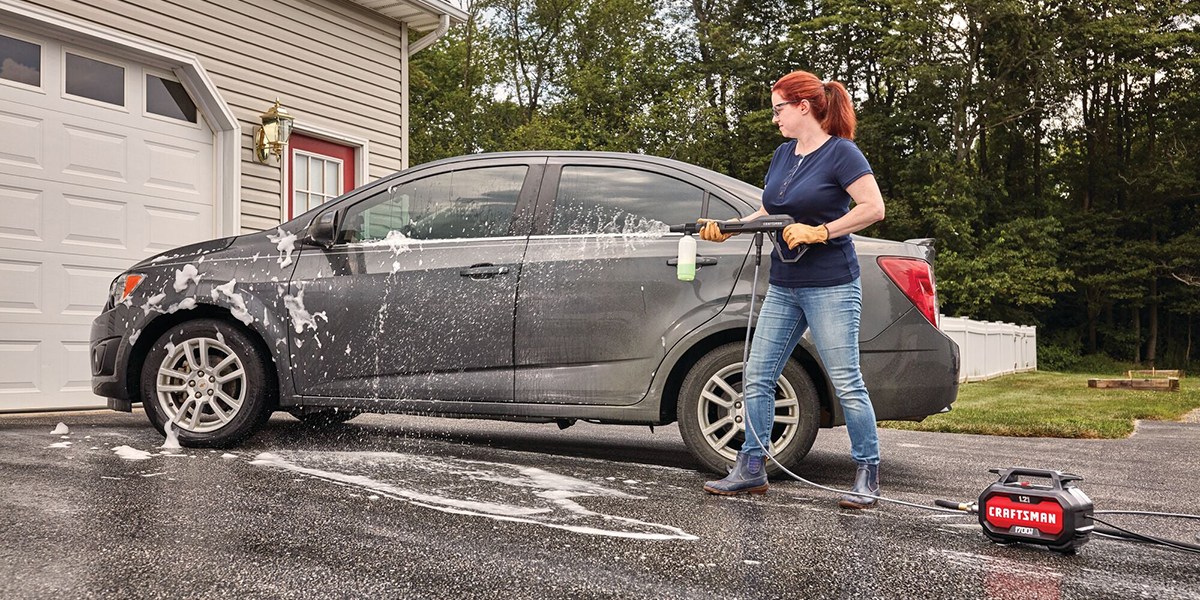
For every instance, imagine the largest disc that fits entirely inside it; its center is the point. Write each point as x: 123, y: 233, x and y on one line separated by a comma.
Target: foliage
x: 1052, y: 357
x: 1010, y: 274
x: 1067, y: 359
x: 1052, y: 149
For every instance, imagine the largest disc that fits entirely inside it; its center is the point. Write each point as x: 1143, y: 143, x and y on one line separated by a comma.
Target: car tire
x: 208, y: 379
x: 709, y: 411
x: 326, y: 417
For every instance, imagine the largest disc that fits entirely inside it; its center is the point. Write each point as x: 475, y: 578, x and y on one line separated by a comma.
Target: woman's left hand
x: 710, y: 232
x: 799, y: 233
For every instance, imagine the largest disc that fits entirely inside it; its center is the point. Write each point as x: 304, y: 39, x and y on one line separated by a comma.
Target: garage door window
x: 95, y: 80
x: 168, y: 99
x: 20, y: 61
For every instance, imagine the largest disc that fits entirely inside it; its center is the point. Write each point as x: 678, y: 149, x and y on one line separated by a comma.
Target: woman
x: 813, y: 178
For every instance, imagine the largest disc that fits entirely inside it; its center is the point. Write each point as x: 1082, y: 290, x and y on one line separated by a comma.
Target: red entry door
x: 321, y: 171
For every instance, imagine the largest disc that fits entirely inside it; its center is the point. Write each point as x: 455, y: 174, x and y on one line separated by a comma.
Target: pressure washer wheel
x: 711, y: 412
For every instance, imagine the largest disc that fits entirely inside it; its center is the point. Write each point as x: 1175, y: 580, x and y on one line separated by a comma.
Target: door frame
x: 362, y: 156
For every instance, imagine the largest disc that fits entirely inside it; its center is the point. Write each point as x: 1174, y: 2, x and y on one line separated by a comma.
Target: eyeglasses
x: 778, y: 108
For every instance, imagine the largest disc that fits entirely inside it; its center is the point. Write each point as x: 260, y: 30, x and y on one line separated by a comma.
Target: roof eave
x: 420, y: 15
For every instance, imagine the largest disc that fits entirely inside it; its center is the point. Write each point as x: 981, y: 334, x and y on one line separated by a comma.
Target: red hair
x: 830, y: 101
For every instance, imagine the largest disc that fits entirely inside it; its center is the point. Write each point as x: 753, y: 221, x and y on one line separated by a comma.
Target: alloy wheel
x: 201, y: 385
x: 721, y: 413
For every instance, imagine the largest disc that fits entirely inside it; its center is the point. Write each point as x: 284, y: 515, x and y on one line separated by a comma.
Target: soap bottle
x: 685, y: 268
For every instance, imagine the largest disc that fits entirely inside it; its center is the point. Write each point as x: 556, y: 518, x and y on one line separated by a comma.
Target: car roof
x: 748, y: 192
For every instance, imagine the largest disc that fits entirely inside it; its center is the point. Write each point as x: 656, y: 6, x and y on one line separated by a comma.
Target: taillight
x: 914, y: 277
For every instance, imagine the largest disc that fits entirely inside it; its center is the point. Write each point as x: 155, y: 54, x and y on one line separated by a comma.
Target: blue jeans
x: 833, y: 313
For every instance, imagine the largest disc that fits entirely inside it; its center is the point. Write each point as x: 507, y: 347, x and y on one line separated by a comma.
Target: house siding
x: 334, y: 65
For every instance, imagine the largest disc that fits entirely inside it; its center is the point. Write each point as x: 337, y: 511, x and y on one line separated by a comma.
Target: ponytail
x: 839, y: 115
x: 830, y: 101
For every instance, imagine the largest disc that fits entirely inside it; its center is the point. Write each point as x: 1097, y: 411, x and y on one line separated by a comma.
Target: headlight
x: 123, y: 286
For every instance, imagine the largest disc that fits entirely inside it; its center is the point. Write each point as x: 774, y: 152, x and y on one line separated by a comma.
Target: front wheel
x: 207, y: 380
x: 711, y: 411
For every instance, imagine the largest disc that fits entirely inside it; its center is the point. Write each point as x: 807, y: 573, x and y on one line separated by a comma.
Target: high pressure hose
x: 750, y: 424
x: 943, y: 506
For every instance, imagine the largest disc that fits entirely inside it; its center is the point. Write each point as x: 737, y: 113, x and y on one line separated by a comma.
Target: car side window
x: 594, y: 200
x: 720, y: 210
x: 469, y: 203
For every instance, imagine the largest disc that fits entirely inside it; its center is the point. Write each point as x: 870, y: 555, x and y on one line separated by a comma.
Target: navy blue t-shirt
x: 812, y: 190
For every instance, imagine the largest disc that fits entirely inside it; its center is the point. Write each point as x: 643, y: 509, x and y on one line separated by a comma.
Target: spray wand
x: 686, y: 261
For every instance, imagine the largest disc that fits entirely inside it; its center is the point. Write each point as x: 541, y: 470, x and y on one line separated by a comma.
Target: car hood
x: 189, y: 252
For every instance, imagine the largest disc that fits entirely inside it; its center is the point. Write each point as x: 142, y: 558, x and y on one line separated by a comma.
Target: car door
x: 415, y: 300
x: 598, y: 301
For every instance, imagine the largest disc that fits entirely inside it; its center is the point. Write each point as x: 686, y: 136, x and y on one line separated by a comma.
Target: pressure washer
x: 1057, y: 515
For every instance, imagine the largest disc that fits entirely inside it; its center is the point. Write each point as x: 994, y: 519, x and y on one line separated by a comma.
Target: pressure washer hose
x: 777, y: 223
x: 750, y: 424
x: 943, y: 506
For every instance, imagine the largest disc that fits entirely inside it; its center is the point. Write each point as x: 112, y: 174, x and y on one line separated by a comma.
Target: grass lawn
x: 1048, y: 404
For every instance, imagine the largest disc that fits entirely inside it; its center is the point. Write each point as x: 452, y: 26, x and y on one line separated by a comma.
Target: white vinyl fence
x: 991, y: 349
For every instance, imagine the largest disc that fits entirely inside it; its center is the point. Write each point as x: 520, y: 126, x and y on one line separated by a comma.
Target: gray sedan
x: 534, y: 286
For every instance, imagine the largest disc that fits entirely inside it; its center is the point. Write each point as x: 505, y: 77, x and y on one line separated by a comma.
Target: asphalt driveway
x: 398, y: 506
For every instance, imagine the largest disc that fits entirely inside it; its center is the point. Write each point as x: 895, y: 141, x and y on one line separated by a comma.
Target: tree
x: 1052, y: 148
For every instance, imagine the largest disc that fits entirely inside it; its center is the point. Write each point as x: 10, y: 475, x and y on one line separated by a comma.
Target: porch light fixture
x: 274, y: 133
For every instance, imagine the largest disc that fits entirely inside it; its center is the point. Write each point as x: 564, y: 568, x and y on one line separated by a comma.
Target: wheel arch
x: 668, y: 402
x: 163, y: 323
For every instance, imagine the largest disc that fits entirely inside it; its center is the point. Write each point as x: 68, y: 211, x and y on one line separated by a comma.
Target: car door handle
x: 483, y: 271
x: 701, y: 261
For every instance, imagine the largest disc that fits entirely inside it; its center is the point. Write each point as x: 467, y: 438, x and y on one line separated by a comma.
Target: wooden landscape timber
x: 1169, y: 384
x: 1152, y: 373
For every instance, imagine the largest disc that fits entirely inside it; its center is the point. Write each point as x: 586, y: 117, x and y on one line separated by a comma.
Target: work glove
x: 710, y: 232
x: 799, y: 233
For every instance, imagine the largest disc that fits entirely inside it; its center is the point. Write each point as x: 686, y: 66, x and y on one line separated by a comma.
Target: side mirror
x: 323, y: 230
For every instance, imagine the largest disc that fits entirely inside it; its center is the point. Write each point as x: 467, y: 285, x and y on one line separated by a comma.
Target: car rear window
x: 597, y: 200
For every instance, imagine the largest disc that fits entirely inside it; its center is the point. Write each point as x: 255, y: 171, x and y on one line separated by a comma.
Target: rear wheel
x: 206, y: 379
x: 711, y: 411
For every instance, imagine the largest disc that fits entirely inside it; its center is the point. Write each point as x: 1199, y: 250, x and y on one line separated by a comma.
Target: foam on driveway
x: 419, y: 507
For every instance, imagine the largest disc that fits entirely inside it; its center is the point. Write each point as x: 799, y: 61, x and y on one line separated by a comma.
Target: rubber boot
x: 749, y: 476
x: 866, y: 481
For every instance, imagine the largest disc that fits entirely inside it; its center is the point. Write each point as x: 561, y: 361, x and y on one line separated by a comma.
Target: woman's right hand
x: 710, y: 232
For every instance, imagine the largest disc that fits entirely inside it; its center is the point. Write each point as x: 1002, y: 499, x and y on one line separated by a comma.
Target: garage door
x: 103, y: 162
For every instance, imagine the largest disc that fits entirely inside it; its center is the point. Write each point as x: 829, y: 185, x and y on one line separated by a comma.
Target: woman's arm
x: 761, y: 212
x: 868, y: 208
